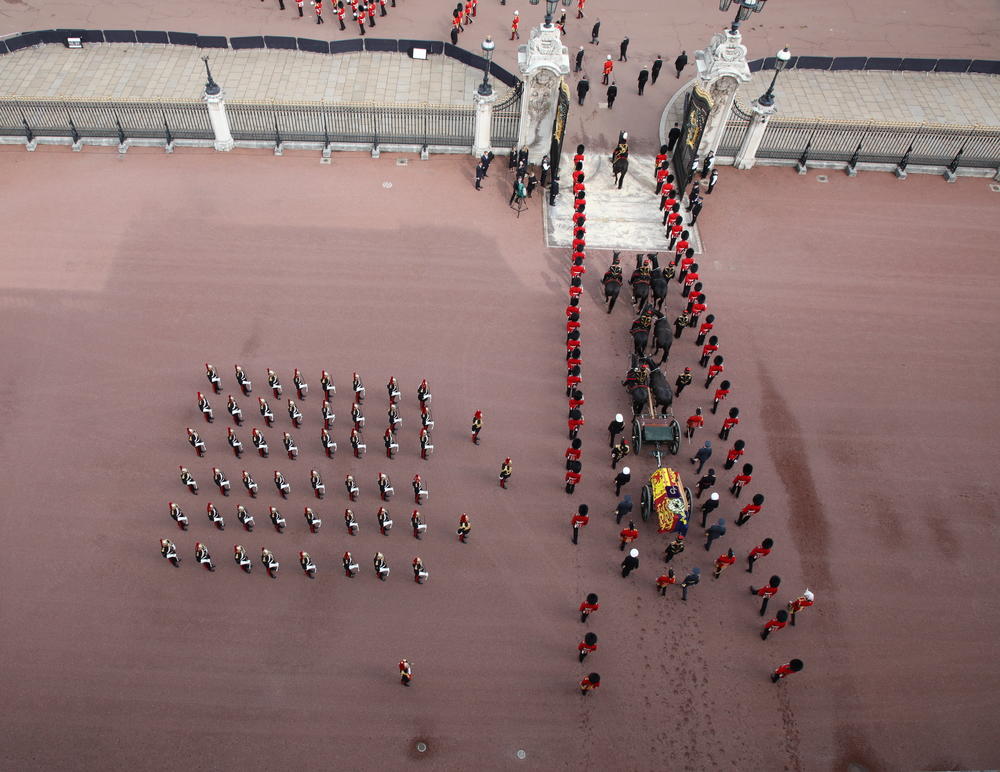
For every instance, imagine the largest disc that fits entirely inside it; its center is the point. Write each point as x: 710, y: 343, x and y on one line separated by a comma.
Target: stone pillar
x: 220, y: 122
x: 544, y: 62
x: 746, y: 156
x: 481, y: 139
x: 722, y: 66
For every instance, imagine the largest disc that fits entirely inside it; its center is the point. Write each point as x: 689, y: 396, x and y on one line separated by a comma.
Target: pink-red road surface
x: 859, y: 323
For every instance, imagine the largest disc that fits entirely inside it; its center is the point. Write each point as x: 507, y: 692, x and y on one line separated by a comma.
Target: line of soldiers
x: 574, y: 361
x: 271, y: 565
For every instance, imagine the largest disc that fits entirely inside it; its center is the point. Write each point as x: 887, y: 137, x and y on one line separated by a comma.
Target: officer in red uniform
x: 782, y: 671
x: 708, y: 350
x: 720, y: 394
x: 589, y: 606
x: 758, y: 552
x: 723, y: 562
x: 729, y: 423
x: 766, y: 592
x: 751, y: 509
x: 587, y: 646
x: 805, y: 600
x: 741, y: 480
x: 579, y: 520
x: 773, y: 625
x: 513, y: 26
x: 341, y: 12
x: 714, y: 369
x: 573, y: 452
x: 589, y: 683
x: 627, y: 535
x: 573, y: 475
x: 734, y: 454
x: 704, y: 329
x: 665, y: 580
x: 694, y: 422
x: 477, y: 425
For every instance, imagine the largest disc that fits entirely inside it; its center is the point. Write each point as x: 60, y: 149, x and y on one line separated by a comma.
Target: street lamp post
x: 485, y: 89
x: 743, y: 10
x: 211, y: 88
x: 780, y: 60
x: 550, y: 9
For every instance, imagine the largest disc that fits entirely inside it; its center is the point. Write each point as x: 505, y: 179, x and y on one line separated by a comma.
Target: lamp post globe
x: 780, y: 60
x: 485, y: 89
x: 743, y: 10
x: 550, y: 9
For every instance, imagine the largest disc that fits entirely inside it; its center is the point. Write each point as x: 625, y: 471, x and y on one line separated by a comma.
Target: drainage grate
x: 521, y: 754
x: 995, y: 188
x: 325, y: 160
x: 402, y: 161
x: 822, y: 178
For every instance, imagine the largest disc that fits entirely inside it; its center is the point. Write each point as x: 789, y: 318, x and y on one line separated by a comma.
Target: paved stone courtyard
x: 922, y: 97
x: 130, y: 71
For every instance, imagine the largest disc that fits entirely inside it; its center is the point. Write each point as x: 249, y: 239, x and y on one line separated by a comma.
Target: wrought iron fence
x: 850, y: 142
x: 507, y: 118
x: 732, y: 136
x: 368, y: 123
x: 110, y: 119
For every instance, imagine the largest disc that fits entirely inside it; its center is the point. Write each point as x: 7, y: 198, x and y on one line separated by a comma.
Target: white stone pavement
x: 626, y: 219
x: 148, y: 71
x: 963, y: 99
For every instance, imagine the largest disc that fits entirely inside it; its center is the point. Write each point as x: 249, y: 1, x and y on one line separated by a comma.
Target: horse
x: 612, y: 286
x: 640, y: 289
x: 663, y: 395
x: 658, y: 284
x: 663, y: 337
x: 640, y: 338
x: 640, y: 399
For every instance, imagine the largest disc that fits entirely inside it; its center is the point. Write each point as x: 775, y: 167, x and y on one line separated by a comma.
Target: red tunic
x: 734, y: 454
x: 573, y: 453
x: 708, y: 349
x: 767, y: 591
x: 574, y: 479
x: 774, y: 624
x: 749, y: 511
x: 589, y: 608
x: 628, y: 535
x: 695, y: 421
x: 714, y: 370
x: 759, y: 552
x: 730, y: 422
x: 741, y: 479
x: 720, y: 394
x: 724, y: 560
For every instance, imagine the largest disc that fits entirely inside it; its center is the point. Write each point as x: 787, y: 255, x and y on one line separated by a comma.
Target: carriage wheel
x: 675, y: 439
x: 646, y: 502
x: 636, y: 436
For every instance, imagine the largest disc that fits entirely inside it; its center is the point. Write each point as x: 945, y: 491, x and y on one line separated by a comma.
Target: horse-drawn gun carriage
x: 652, y: 424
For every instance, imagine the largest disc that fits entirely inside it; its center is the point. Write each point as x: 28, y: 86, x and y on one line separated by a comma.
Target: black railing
x: 884, y: 63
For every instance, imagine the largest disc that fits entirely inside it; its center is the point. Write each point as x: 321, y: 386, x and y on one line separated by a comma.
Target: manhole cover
x: 995, y: 188
x: 402, y: 161
x: 521, y: 754
x: 822, y: 178
x: 421, y: 747
x: 387, y: 184
x: 325, y: 160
